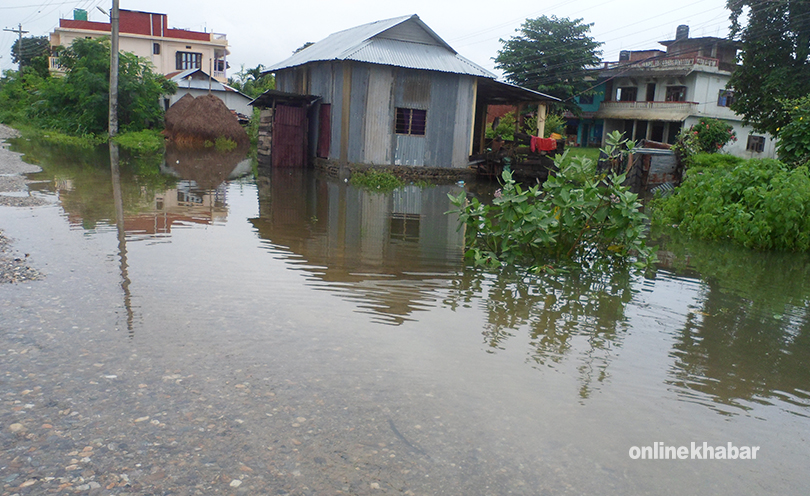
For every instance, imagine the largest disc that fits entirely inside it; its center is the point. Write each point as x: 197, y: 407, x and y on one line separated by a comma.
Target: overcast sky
x: 266, y: 32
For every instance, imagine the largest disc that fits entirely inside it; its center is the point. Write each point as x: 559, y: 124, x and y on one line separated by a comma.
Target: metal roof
x: 186, y: 80
x: 364, y: 44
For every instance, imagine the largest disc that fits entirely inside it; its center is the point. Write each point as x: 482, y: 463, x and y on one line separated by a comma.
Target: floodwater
x: 216, y: 333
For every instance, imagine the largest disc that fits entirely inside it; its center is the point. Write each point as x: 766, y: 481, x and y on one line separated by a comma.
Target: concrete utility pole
x: 113, y: 126
x: 19, y: 32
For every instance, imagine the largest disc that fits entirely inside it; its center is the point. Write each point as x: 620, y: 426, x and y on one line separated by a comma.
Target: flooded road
x: 291, y: 334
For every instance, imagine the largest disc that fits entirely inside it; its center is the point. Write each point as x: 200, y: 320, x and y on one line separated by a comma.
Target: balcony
x: 647, y: 111
x: 54, y: 67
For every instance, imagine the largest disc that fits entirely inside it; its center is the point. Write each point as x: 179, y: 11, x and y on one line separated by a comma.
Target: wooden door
x: 289, y: 137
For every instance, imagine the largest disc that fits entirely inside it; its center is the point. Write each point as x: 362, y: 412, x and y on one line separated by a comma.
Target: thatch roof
x: 206, y: 118
x: 175, y: 112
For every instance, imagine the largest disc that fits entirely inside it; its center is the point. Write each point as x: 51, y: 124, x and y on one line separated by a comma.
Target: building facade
x: 653, y: 94
x: 391, y: 92
x: 149, y: 36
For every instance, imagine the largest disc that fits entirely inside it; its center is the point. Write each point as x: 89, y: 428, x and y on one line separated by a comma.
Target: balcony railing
x: 665, y: 63
x: 54, y: 66
x: 646, y: 110
x: 647, y: 105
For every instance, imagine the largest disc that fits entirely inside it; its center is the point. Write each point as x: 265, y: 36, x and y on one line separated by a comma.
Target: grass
x: 587, y: 152
x: 374, y: 180
x: 148, y: 141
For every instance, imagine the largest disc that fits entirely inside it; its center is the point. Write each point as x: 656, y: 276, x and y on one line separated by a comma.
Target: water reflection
x: 579, y: 316
x: 157, y: 192
x: 747, y: 339
x: 387, y: 252
x: 122, y: 237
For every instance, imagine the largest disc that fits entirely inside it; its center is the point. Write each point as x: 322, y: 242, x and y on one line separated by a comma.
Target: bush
x: 707, y: 136
x: 375, y: 180
x: 576, y: 216
x: 794, y: 139
x: 761, y: 204
x: 148, y: 141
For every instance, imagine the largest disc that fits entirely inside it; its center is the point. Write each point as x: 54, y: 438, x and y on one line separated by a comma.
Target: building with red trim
x: 148, y: 35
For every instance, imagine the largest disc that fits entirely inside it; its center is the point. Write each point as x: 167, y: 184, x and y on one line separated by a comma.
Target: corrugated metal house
x: 388, y: 92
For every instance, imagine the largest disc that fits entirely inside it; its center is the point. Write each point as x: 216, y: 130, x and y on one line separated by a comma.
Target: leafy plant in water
x: 146, y: 141
x: 375, y: 180
x: 577, y: 216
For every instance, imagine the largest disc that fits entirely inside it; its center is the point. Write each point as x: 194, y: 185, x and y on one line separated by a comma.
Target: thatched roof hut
x: 175, y: 112
x: 206, y: 118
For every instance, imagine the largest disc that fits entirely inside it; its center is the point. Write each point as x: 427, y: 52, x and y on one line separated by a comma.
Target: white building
x: 149, y: 36
x: 652, y: 94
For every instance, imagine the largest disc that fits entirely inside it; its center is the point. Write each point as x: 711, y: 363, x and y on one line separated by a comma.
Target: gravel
x: 13, y: 185
x: 14, y: 193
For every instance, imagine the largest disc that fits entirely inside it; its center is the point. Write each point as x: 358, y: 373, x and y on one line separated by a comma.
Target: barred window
x: 725, y: 98
x: 188, y: 60
x: 676, y: 94
x: 755, y: 143
x: 411, y: 121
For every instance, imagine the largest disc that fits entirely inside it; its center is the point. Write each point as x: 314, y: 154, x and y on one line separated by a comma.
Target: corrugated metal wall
x: 357, y: 114
x: 375, y: 91
x: 379, y: 116
x: 465, y: 114
x: 441, y: 120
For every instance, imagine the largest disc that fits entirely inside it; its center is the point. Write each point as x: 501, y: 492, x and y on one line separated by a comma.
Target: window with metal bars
x: 411, y: 121
x: 188, y: 60
x: 755, y: 143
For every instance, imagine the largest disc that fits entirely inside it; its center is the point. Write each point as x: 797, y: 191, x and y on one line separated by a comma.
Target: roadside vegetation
x: 762, y: 204
x: 73, y: 108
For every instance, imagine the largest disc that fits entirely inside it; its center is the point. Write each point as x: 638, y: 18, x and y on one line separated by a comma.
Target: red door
x: 289, y: 137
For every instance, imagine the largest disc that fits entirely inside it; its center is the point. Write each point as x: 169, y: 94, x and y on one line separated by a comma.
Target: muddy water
x: 291, y: 334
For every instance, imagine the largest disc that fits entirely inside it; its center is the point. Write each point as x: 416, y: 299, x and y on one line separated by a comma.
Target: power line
x: 20, y: 32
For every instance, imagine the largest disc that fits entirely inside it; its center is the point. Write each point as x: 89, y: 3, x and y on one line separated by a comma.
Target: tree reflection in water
x: 747, y: 341
x: 578, y: 315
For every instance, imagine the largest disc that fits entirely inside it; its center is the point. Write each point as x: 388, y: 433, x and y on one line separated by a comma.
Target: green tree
x: 32, y: 52
x: 252, y: 82
x: 775, y: 44
x: 794, y: 139
x: 550, y: 55
x: 78, y: 102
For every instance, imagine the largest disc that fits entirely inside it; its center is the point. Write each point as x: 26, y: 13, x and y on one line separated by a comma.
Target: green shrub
x: 147, y: 141
x: 794, y: 139
x: 712, y: 160
x: 761, y: 204
x: 222, y: 144
x: 576, y: 216
x: 707, y: 136
x: 375, y: 180
x: 505, y: 128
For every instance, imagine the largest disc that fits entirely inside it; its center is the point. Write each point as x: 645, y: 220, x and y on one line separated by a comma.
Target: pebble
x: 236, y: 483
x: 16, y: 427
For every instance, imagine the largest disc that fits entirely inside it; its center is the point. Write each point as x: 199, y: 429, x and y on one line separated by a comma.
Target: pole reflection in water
x: 122, y: 235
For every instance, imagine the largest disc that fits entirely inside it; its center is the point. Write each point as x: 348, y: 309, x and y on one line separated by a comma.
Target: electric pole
x: 113, y: 125
x: 20, y: 32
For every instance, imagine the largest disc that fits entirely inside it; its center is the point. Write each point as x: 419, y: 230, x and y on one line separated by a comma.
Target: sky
x: 265, y: 32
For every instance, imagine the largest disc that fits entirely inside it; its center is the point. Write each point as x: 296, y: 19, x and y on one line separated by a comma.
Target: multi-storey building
x: 653, y: 94
x: 148, y: 35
